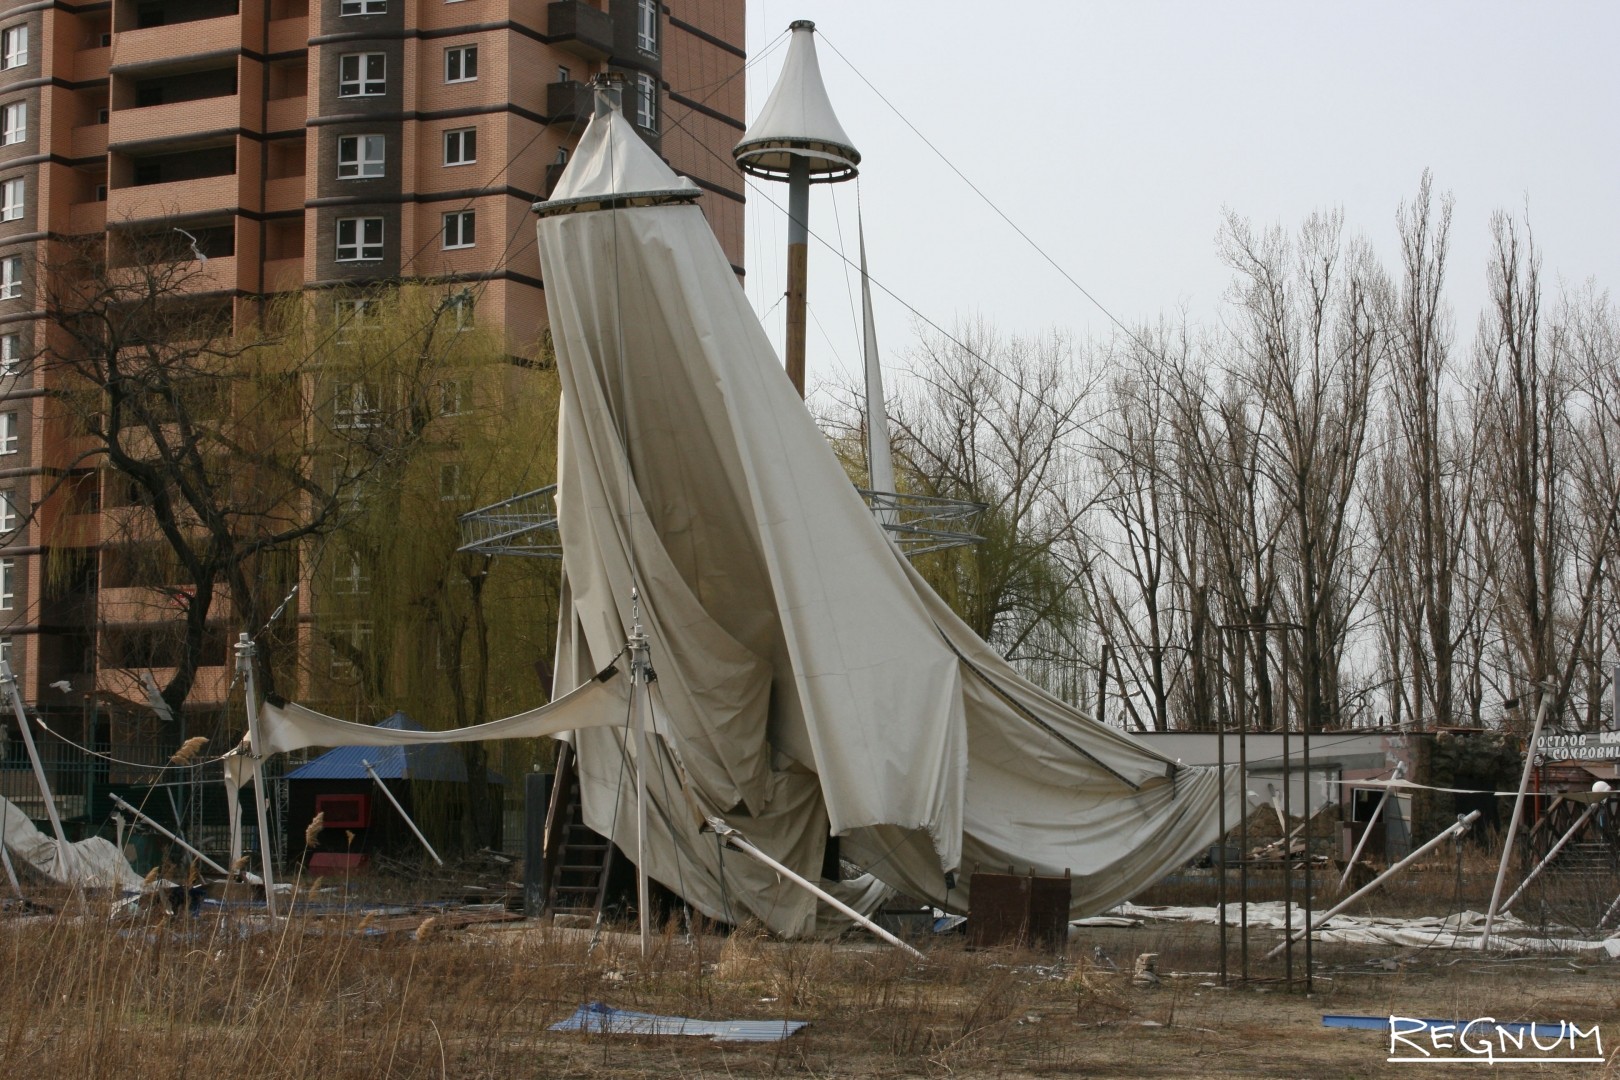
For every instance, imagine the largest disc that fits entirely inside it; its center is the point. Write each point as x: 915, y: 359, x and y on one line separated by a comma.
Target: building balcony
x: 580, y: 29
x: 210, y: 686
x: 86, y: 218
x: 90, y: 65
x: 182, y: 42
x: 554, y: 173
x: 287, y: 114
x: 284, y: 194
x: 289, y: 35
x: 179, y: 198
x: 174, y: 123
x: 283, y: 275
x: 88, y: 140
x: 138, y: 605
x: 567, y: 102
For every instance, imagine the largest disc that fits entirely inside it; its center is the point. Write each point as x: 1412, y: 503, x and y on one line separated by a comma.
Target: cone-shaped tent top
x: 613, y: 167
x: 798, y: 122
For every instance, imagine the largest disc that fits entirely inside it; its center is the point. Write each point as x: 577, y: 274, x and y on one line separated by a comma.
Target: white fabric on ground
x: 809, y: 681
x: 92, y: 863
x: 1460, y: 931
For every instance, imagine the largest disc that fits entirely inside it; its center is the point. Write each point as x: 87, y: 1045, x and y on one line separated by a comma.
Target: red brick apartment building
x: 304, y: 144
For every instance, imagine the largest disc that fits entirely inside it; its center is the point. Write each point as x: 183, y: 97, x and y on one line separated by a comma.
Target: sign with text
x: 1584, y: 746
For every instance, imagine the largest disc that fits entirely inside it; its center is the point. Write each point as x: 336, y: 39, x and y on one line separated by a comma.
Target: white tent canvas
x: 809, y: 682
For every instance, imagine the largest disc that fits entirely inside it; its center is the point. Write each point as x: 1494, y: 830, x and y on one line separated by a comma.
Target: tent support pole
x: 1459, y: 827
x: 1518, y: 816
x: 10, y: 682
x: 5, y: 855
x: 400, y: 810
x: 798, y: 266
x: 734, y: 839
x: 1372, y: 822
x: 172, y: 837
x: 1586, y: 815
x: 641, y: 698
x: 245, y: 651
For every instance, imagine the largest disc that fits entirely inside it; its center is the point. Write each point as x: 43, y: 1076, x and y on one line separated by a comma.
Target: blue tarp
x: 610, y: 1021
x: 436, y: 762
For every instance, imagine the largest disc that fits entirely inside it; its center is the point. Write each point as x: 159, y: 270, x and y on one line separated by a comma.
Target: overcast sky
x: 1116, y: 134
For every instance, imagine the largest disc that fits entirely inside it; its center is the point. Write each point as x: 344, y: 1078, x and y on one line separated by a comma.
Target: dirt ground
x: 1014, y: 1014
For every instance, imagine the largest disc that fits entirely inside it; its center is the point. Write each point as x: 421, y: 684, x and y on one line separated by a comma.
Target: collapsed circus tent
x: 809, y: 683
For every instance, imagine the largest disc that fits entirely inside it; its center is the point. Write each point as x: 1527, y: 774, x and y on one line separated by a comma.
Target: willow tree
x: 224, y: 450
x: 402, y: 619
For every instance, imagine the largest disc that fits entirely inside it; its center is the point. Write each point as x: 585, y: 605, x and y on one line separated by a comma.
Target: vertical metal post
x: 1518, y: 814
x: 1220, y: 852
x: 1287, y: 868
x: 245, y: 652
x: 1306, y: 740
x: 640, y: 690
x: 798, y: 266
x: 10, y: 683
x: 1243, y: 807
x: 536, y: 799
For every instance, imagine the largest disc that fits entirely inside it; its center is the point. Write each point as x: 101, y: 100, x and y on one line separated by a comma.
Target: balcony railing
x: 580, y: 29
x: 287, y: 114
x: 289, y: 35
x: 165, y: 123
x: 567, y: 102
x: 89, y: 140
x: 89, y: 217
x: 179, y: 197
x: 90, y: 65
x: 138, y: 48
x: 286, y: 193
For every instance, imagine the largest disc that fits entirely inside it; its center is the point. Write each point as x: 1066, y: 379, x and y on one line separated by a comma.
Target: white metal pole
x: 389, y: 795
x: 152, y: 822
x: 5, y: 856
x: 1507, y: 905
x: 65, y: 853
x: 734, y: 838
x: 1457, y: 828
x: 1518, y: 815
x: 245, y: 652
x: 641, y: 689
x: 1372, y: 823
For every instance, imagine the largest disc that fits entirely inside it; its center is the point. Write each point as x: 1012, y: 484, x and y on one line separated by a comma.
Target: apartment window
x: 363, y: 7
x: 8, y: 433
x: 11, y: 277
x: 564, y: 74
x: 13, y: 123
x: 351, y: 641
x: 8, y: 513
x: 5, y: 650
x: 11, y: 199
x: 562, y: 155
x: 360, y: 157
x: 356, y: 405
x: 647, y: 25
x: 647, y: 101
x: 458, y: 229
x: 354, y: 317
x: 461, y: 146
x: 461, y: 63
x: 8, y: 584
x: 461, y: 311
x: 453, y: 397
x: 13, y: 46
x: 361, y: 74
x: 359, y: 239
x: 450, y: 482
x: 352, y: 578
x: 10, y: 353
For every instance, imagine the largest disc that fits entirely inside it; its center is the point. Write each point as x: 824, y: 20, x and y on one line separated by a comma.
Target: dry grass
x: 325, y: 995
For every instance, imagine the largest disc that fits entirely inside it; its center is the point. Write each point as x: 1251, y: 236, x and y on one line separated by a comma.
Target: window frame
x: 11, y: 277
x: 453, y: 396
x: 13, y: 123
x: 362, y: 84
x: 647, y: 26
x: 10, y: 517
x: 461, y: 54
x: 8, y: 584
x: 13, y: 198
x: 350, y: 8
x: 646, y: 101
x: 14, y: 47
x: 466, y: 229
x: 10, y: 432
x: 454, y: 473
x: 356, y: 405
x: 359, y: 246
x: 10, y: 352
x: 351, y: 316
x: 465, y: 140
x: 361, y: 159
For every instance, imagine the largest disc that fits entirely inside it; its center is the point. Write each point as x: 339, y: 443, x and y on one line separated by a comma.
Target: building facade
x: 295, y: 145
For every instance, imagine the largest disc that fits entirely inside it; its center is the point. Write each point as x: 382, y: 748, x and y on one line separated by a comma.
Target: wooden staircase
x: 577, y: 860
